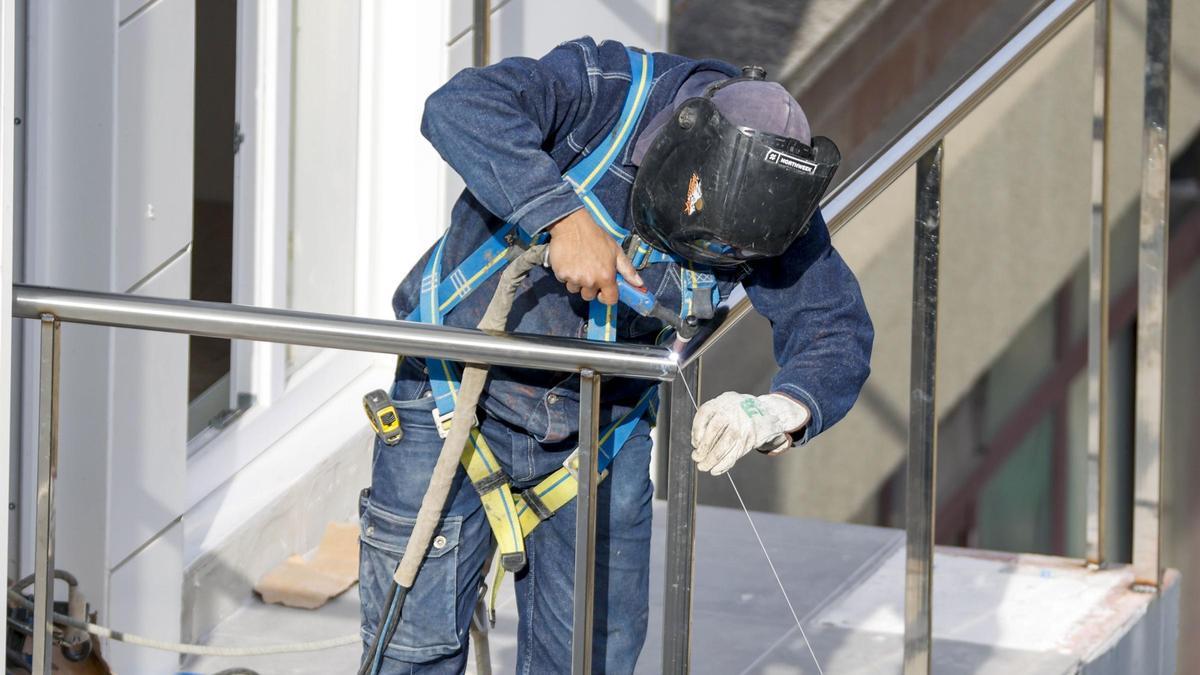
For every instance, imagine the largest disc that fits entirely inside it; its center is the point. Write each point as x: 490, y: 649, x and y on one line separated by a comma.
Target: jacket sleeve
x: 494, y: 126
x: 822, y: 332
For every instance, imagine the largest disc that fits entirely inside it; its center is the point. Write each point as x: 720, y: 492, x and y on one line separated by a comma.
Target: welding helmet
x: 720, y: 193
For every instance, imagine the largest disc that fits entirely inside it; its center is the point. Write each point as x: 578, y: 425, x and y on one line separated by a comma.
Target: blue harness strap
x: 439, y: 296
x: 602, y: 318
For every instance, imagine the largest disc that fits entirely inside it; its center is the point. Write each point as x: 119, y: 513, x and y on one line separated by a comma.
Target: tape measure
x: 382, y: 415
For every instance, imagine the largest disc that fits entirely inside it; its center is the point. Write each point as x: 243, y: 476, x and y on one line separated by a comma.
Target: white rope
x: 198, y: 650
x: 761, y: 545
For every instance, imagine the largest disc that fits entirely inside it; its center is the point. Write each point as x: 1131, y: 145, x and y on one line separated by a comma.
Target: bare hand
x: 587, y: 260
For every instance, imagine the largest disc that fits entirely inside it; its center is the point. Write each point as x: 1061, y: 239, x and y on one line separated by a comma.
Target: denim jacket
x: 511, y: 130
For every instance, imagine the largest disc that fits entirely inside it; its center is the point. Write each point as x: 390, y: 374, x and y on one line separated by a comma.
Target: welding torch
x: 642, y: 301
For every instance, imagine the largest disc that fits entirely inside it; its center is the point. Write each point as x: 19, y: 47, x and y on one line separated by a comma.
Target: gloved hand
x: 733, y: 424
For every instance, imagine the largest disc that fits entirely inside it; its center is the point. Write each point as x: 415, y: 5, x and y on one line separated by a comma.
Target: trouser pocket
x: 429, y: 627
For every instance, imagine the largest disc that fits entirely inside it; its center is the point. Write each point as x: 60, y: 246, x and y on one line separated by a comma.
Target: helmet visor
x: 719, y: 194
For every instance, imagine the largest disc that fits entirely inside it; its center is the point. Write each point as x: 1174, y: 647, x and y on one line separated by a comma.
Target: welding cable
x: 184, y: 648
x: 470, y: 387
x: 383, y: 637
x: 58, y: 574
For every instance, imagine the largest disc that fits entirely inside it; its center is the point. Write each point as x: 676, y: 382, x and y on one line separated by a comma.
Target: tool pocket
x: 429, y: 625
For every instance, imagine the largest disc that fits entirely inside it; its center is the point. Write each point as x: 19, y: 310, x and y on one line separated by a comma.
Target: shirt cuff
x: 546, y: 209
x: 814, y: 423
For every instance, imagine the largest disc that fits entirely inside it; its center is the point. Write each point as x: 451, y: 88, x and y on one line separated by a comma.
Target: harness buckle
x: 442, y: 421
x: 516, y: 245
x: 513, y: 562
x: 571, y: 464
x: 535, y: 504
x: 637, y: 251
x: 702, y: 305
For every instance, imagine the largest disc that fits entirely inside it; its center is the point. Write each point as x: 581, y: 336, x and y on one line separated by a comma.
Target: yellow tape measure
x: 382, y: 415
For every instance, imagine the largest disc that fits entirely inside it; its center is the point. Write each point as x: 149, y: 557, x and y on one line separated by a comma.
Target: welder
x: 647, y: 175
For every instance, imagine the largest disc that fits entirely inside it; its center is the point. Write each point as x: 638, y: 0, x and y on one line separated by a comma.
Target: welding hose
x: 76, y: 607
x: 184, y: 648
x: 430, y: 513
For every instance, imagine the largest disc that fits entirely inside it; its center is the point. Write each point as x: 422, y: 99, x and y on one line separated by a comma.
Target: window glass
x: 212, y: 205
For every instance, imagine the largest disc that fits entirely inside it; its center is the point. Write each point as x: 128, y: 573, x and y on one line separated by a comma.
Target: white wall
x: 110, y: 208
x: 323, y: 225
x: 68, y: 243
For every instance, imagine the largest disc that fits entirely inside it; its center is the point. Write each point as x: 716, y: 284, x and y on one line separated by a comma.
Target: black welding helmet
x: 718, y: 193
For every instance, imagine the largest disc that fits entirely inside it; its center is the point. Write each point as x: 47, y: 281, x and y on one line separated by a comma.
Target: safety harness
x: 514, y: 514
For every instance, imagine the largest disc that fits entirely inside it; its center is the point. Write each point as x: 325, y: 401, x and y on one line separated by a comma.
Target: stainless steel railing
x: 52, y: 306
x: 922, y: 144
x: 215, y: 319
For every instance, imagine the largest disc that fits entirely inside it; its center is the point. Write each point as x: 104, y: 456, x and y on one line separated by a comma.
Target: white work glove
x: 732, y: 424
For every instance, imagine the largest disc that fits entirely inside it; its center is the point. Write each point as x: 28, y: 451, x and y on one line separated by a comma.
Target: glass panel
x: 1016, y: 225
x: 321, y: 231
x: 212, y: 206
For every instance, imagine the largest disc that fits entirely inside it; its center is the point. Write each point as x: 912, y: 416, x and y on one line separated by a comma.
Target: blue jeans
x: 432, y: 636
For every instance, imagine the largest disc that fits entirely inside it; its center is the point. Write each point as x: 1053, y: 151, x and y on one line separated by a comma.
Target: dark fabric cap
x: 760, y: 105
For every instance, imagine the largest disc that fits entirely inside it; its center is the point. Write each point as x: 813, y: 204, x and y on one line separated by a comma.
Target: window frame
x: 262, y: 177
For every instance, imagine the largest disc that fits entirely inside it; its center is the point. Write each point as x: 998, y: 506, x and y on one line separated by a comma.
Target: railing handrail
x: 222, y: 320
x: 873, y: 177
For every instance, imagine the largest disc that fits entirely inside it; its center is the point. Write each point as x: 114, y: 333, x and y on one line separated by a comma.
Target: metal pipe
x: 222, y: 320
x: 481, y: 39
x: 922, y: 435
x: 585, y: 523
x: 47, y: 470
x: 681, y: 522
x: 1096, y: 494
x: 13, y: 87
x: 864, y: 185
x: 1152, y: 300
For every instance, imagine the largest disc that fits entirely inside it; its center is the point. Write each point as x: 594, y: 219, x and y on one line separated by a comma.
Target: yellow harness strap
x: 554, y: 492
x: 498, y: 500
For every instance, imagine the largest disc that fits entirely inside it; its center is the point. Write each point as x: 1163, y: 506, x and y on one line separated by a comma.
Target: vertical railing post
x: 481, y: 40
x: 1152, y: 299
x: 922, y: 430
x: 585, y: 523
x: 47, y: 470
x: 681, y: 521
x: 1096, y: 492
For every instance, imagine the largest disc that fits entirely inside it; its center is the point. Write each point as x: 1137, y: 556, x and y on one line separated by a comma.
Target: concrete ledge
x: 221, y: 581
x: 995, y: 613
